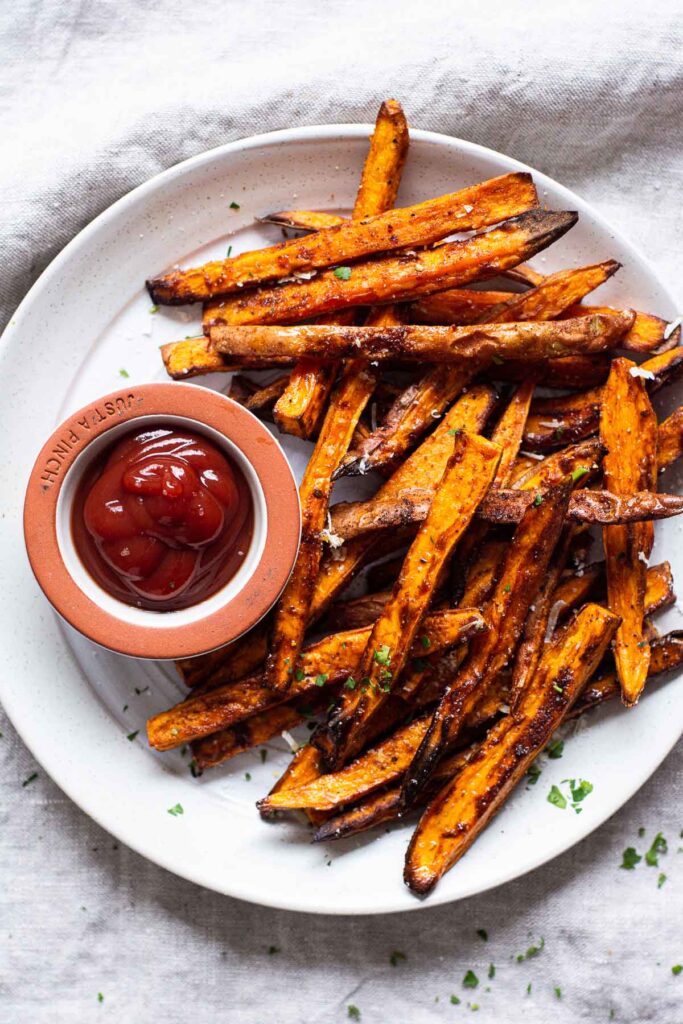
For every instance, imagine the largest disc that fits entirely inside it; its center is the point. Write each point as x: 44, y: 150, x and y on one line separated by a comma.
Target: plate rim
x: 22, y: 723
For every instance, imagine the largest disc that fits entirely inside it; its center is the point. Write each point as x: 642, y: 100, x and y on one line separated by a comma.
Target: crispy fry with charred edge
x: 300, y: 407
x: 302, y: 220
x: 386, y: 805
x: 194, y: 357
x: 602, y: 508
x: 567, y: 372
x: 524, y: 340
x: 546, y: 301
x: 460, y: 811
x: 389, y: 441
x: 333, y: 657
x: 555, y: 422
x: 523, y: 570
x: 396, y: 278
x: 538, y: 622
x: 670, y: 439
x: 213, y: 750
x: 628, y: 429
x: 294, y: 607
x: 467, y: 210
x: 465, y: 479
x: 647, y: 333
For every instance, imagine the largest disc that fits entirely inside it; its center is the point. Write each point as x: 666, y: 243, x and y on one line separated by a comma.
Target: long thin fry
x: 647, y: 333
x: 457, y: 815
x: 524, y: 340
x: 396, y: 278
x: 467, y: 210
x: 465, y: 480
x: 299, y: 408
x: 628, y: 429
x: 523, y: 570
x: 325, y: 663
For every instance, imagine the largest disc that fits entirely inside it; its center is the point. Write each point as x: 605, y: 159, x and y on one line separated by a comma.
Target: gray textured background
x: 95, y: 97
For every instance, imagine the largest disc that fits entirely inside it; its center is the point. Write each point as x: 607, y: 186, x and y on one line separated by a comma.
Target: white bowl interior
x: 144, y: 616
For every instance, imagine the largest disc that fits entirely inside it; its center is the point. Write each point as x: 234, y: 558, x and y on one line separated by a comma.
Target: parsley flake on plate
x: 396, y: 957
x: 343, y: 273
x: 659, y: 845
x: 483, y: 934
x: 630, y: 857
x: 352, y: 1012
x: 556, y: 798
x: 175, y: 811
x: 470, y: 980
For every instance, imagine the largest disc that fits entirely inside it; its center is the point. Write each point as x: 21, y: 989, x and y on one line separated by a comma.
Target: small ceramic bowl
x: 216, y: 620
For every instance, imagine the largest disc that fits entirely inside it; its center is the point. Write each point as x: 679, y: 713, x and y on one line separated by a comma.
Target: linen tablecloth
x: 95, y: 97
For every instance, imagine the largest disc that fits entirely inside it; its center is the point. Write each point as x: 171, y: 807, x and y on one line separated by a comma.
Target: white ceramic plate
x: 88, y: 318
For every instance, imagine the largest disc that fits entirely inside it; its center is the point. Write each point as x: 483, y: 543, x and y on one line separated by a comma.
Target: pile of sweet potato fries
x: 483, y: 628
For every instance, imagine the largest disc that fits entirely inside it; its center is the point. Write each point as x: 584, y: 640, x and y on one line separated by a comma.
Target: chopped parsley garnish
x: 531, y: 952
x: 492, y: 971
x: 234, y: 205
x: 538, y: 500
x: 247, y: 776
x: 229, y: 252
x: 556, y: 799
x: 175, y: 811
x: 100, y: 997
x: 343, y: 273
x: 455, y: 1000
x: 473, y: 1006
x: 426, y: 642
x: 353, y: 1012
x: 661, y: 879
x: 272, y: 950
x: 630, y: 857
x: 580, y: 789
x: 299, y: 675
x: 154, y: 309
x: 641, y: 832
x: 455, y: 431
x: 195, y: 771
x: 131, y: 735
x: 383, y: 655
x: 470, y: 980
x: 483, y: 934
x: 321, y: 679
x: 557, y: 688
x: 554, y: 749
x: 528, y: 989
x: 31, y: 778
x: 396, y: 957
x: 677, y: 969
x: 533, y: 774
x: 350, y: 683
x: 579, y: 472
x: 558, y: 992
x: 507, y: 588
x: 123, y: 373
x: 659, y: 845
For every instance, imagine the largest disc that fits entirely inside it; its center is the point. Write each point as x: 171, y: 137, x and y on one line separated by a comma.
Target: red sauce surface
x: 163, y: 519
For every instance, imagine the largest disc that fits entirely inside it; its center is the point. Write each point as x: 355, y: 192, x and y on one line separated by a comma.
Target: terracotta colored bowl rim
x: 224, y: 623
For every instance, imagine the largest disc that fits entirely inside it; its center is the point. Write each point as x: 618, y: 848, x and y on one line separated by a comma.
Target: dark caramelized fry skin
x: 647, y: 333
x: 333, y: 658
x: 396, y: 278
x: 525, y: 340
x: 523, y: 570
x: 489, y: 202
x: 466, y: 477
x: 460, y: 811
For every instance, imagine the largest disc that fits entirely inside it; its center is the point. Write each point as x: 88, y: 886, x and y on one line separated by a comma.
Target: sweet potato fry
x: 303, y: 220
x: 359, y: 612
x: 294, y: 607
x: 455, y: 306
x: 546, y: 301
x: 395, y: 278
x: 221, y: 746
x: 324, y: 663
x: 523, y: 570
x: 647, y: 333
x: 628, y: 429
x: 567, y: 372
x: 465, y: 480
x: 670, y: 439
x: 524, y: 340
x: 386, y: 805
x: 460, y: 811
x: 555, y: 422
x: 299, y: 409
x: 467, y: 210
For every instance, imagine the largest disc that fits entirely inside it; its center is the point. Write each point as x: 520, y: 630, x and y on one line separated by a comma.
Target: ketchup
x: 163, y: 519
